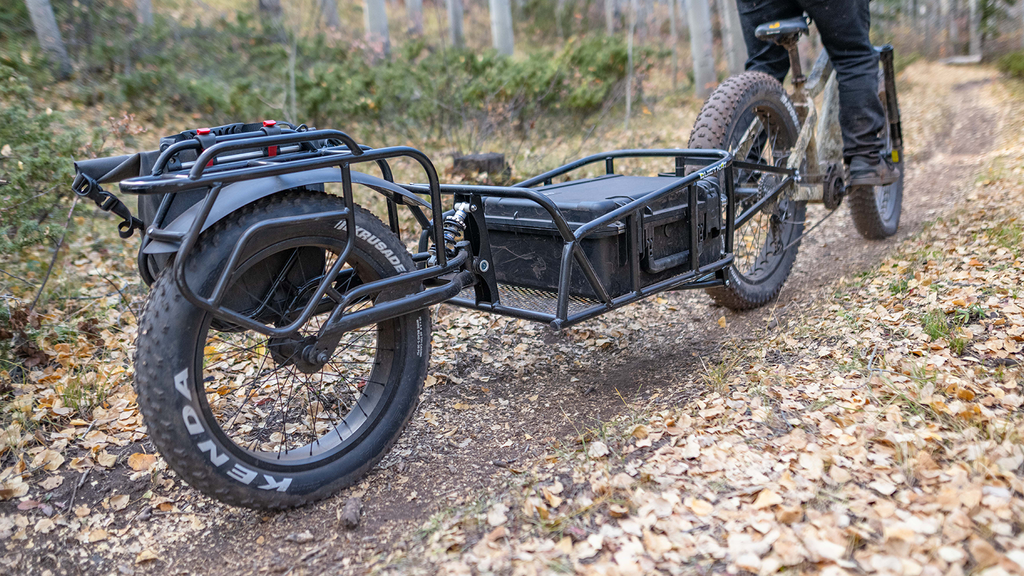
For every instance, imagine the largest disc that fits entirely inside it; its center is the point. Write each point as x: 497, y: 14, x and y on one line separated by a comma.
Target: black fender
x: 239, y: 194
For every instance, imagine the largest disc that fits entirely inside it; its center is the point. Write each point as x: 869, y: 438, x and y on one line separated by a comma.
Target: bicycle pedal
x: 834, y: 187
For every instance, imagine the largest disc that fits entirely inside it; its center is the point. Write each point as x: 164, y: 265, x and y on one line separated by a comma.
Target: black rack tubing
x: 236, y: 252
x: 753, y: 166
x: 694, y: 153
x: 338, y: 314
x: 402, y: 306
x: 676, y: 282
x: 624, y: 210
x: 276, y: 140
x: 629, y: 298
x: 571, y: 238
x: 504, y: 192
x: 152, y: 185
x: 556, y: 218
x: 750, y: 212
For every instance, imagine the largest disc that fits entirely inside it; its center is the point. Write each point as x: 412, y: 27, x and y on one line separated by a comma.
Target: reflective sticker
x: 181, y: 384
x: 273, y: 484
x: 192, y: 423
x: 896, y: 156
x: 217, y: 459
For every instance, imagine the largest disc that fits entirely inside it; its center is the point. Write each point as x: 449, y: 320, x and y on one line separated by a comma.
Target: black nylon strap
x: 87, y: 187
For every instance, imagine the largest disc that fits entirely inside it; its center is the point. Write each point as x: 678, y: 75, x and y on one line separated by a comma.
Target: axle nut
x: 484, y: 265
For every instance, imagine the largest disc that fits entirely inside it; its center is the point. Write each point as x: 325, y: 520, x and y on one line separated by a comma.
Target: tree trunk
x: 270, y: 8
x: 414, y: 11
x: 732, y: 36
x: 629, y: 61
x: 455, y: 35
x: 975, y: 27
x: 953, y: 28
x: 144, y: 12
x: 943, y: 28
x: 329, y: 12
x: 271, y: 11
x: 701, y: 47
x: 377, y: 35
x: 501, y: 26
x: 560, y: 20
x: 45, y: 25
x: 674, y: 38
x: 609, y: 17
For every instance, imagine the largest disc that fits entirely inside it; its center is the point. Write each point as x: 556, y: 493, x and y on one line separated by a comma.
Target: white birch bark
x: 414, y: 11
x: 501, y: 26
x: 954, y: 28
x: 377, y: 26
x: 674, y: 38
x: 45, y: 25
x: 144, y: 12
x: 609, y: 17
x: 455, y: 34
x: 701, y: 47
x: 329, y: 12
x: 975, y: 27
x: 560, y: 20
x: 629, y: 61
x: 732, y: 36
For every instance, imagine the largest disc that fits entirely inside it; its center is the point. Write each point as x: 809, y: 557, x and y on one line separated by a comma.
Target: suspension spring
x: 454, y: 228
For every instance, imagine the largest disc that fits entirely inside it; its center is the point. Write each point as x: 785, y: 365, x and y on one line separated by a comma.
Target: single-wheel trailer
x: 286, y: 337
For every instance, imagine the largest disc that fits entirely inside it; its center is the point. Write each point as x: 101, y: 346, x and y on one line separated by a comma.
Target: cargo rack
x: 226, y: 157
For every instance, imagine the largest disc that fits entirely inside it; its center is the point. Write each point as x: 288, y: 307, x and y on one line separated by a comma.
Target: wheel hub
x: 293, y: 351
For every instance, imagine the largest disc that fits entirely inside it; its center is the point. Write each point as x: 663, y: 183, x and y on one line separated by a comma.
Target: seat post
x: 790, y: 44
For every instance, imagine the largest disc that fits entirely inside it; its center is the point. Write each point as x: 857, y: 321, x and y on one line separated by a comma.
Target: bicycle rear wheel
x: 751, y: 116
x: 876, y: 209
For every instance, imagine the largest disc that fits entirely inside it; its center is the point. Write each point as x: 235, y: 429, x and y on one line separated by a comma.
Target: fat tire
x: 168, y: 332
x: 867, y: 219
x: 718, y: 126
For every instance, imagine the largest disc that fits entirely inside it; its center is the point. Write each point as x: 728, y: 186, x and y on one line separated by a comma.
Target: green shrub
x: 1012, y: 64
x: 36, y: 152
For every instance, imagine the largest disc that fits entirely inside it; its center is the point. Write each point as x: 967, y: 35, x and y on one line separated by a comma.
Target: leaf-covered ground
x: 868, y: 425
x: 880, y: 432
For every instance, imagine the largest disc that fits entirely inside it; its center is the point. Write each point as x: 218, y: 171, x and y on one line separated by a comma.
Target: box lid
x: 580, y: 201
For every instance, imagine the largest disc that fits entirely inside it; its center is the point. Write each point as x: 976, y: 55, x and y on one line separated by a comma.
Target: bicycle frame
x: 816, y: 160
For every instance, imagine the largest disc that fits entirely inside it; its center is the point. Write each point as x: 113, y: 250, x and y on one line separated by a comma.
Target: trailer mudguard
x: 239, y: 194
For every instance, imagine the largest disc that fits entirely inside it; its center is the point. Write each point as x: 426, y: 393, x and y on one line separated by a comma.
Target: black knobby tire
x: 236, y: 414
x: 765, y: 247
x: 876, y: 209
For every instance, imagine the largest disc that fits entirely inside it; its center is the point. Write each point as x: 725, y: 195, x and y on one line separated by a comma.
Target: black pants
x: 843, y: 25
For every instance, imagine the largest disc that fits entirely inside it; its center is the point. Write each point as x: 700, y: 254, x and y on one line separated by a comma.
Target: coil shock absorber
x: 454, y: 227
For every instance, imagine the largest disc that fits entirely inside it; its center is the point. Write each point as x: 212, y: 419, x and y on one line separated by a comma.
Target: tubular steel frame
x: 444, y: 280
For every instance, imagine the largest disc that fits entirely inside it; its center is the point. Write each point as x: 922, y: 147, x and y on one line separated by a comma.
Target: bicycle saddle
x: 781, y: 31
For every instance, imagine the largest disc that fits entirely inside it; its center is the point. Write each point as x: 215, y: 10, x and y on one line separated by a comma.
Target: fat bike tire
x: 241, y: 417
x: 876, y: 210
x: 765, y: 247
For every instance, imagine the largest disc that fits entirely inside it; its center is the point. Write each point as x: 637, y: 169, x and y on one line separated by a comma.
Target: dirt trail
x: 474, y: 429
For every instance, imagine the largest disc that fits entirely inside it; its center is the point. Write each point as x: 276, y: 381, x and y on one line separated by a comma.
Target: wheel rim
x: 259, y: 397
x: 886, y: 196
x: 760, y: 243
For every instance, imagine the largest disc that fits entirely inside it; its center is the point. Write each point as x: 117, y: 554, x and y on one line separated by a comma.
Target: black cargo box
x: 527, y: 249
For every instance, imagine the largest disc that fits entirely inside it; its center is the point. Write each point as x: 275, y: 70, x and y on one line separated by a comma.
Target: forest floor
x: 869, y: 421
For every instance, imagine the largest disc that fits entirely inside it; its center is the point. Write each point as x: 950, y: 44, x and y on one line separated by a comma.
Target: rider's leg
x: 844, y: 26
x: 767, y: 57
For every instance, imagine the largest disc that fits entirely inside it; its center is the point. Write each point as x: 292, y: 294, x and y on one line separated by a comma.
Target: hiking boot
x: 872, y: 171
